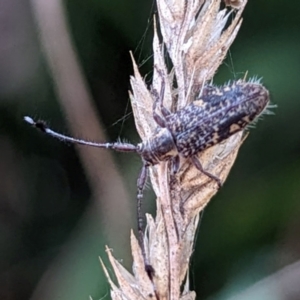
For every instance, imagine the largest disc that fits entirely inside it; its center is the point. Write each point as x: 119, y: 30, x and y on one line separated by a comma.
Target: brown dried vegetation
x: 196, y: 40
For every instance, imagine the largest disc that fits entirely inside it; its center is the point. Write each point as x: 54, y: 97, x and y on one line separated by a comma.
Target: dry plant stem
x: 196, y: 41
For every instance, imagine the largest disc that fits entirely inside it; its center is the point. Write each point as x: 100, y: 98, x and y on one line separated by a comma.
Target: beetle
x: 217, y: 114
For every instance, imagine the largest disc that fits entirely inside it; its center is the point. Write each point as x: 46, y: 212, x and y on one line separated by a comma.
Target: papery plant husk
x: 196, y: 36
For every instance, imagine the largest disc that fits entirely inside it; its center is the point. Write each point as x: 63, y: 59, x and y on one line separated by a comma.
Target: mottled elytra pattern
x: 218, y: 113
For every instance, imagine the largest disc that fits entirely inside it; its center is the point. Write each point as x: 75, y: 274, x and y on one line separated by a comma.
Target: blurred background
x: 60, y: 205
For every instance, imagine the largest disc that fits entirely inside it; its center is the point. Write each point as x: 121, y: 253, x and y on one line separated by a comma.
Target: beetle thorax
x: 160, y: 147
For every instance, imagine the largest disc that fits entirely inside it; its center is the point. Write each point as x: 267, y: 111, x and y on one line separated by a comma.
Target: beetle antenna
x: 119, y: 146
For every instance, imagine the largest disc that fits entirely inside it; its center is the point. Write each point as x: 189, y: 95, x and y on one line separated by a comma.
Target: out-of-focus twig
x: 283, y: 285
x: 105, y: 180
x: 108, y: 190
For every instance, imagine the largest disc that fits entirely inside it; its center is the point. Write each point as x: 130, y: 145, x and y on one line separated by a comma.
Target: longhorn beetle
x: 218, y: 113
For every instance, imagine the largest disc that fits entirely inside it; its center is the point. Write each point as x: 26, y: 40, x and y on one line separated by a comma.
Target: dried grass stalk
x: 196, y: 41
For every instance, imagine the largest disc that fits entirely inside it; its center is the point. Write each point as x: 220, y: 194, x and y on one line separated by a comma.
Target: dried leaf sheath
x: 196, y: 43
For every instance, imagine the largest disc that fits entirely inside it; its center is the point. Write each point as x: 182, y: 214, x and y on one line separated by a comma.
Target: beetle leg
x: 199, y: 166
